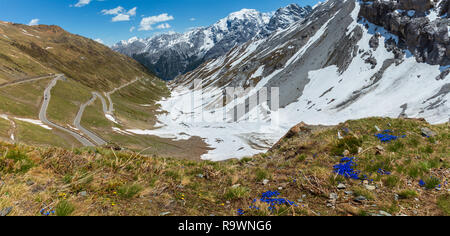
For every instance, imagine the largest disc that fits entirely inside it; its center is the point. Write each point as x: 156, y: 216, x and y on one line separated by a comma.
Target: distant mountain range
x: 172, y: 54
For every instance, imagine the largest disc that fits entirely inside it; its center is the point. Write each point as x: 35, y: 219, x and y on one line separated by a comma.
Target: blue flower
x: 422, y: 183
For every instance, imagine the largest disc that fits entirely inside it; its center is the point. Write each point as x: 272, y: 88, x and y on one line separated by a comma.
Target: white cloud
x: 33, y: 22
x: 192, y: 19
x: 114, y: 11
x: 148, y: 22
x: 120, y: 14
x: 163, y: 26
x: 99, y: 41
x: 132, y: 12
x: 132, y: 28
x: 121, y: 17
x: 82, y: 3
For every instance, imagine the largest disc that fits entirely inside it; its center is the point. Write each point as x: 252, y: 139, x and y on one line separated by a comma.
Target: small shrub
x: 432, y: 182
x: 64, y: 208
x: 128, y: 191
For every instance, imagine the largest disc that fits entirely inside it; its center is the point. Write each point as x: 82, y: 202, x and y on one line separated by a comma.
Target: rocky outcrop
x: 425, y: 36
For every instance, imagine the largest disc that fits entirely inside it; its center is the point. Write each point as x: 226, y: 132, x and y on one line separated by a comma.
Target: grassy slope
x: 67, y: 97
x: 94, y: 120
x: 36, y: 135
x: 46, y: 49
x: 23, y: 100
x: 103, y: 182
x: 5, y: 126
x: 27, y: 51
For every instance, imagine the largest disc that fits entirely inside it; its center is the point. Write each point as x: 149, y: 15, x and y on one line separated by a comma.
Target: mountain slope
x: 332, y: 67
x: 36, y: 181
x: 64, y: 90
x: 27, y: 51
x: 173, y: 54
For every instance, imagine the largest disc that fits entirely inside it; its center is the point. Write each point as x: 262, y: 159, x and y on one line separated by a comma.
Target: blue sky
x: 115, y: 20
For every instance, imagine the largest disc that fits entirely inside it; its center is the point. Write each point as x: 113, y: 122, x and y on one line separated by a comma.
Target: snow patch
x: 35, y: 122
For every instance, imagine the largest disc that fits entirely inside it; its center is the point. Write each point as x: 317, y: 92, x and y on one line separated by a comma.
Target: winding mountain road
x: 99, y: 141
x: 110, y: 110
x: 43, y: 114
x: 26, y: 80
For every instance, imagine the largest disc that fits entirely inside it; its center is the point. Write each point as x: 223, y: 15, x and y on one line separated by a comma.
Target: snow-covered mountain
x: 334, y: 66
x: 173, y: 54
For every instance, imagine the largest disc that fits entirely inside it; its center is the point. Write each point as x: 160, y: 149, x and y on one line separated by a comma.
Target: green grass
x: 408, y: 193
x: 34, y: 134
x: 347, y: 143
x: 126, y: 183
x: 29, y: 101
x: 235, y: 193
x: 392, y: 181
x: 64, y: 208
x: 432, y: 182
x: 261, y: 174
x: 129, y: 190
x: 67, y: 97
x: 15, y: 161
x: 5, y: 126
x: 444, y: 204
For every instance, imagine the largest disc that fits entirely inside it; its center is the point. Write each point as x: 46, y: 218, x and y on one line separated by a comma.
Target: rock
x: 379, y: 150
x: 370, y: 187
x: 383, y: 213
x: 372, y: 61
x: 396, y: 197
x: 360, y: 150
x: 83, y: 193
x: 427, y: 40
x: 29, y: 182
x: 360, y: 199
x: 378, y: 129
x: 365, y: 182
x: 200, y: 176
x: 334, y: 196
x: 427, y: 132
x: 6, y: 211
x: 236, y: 186
x: 341, y: 186
x: 340, y: 136
x: 348, y: 192
x: 346, y: 153
x: 164, y: 213
x: 300, y: 200
x: 280, y: 188
x: 265, y: 182
x: 374, y: 42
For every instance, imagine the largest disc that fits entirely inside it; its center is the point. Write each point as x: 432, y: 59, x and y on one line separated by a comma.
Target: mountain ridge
x: 172, y: 54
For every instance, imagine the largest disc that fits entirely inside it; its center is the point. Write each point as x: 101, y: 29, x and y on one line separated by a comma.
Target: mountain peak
x: 170, y: 55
